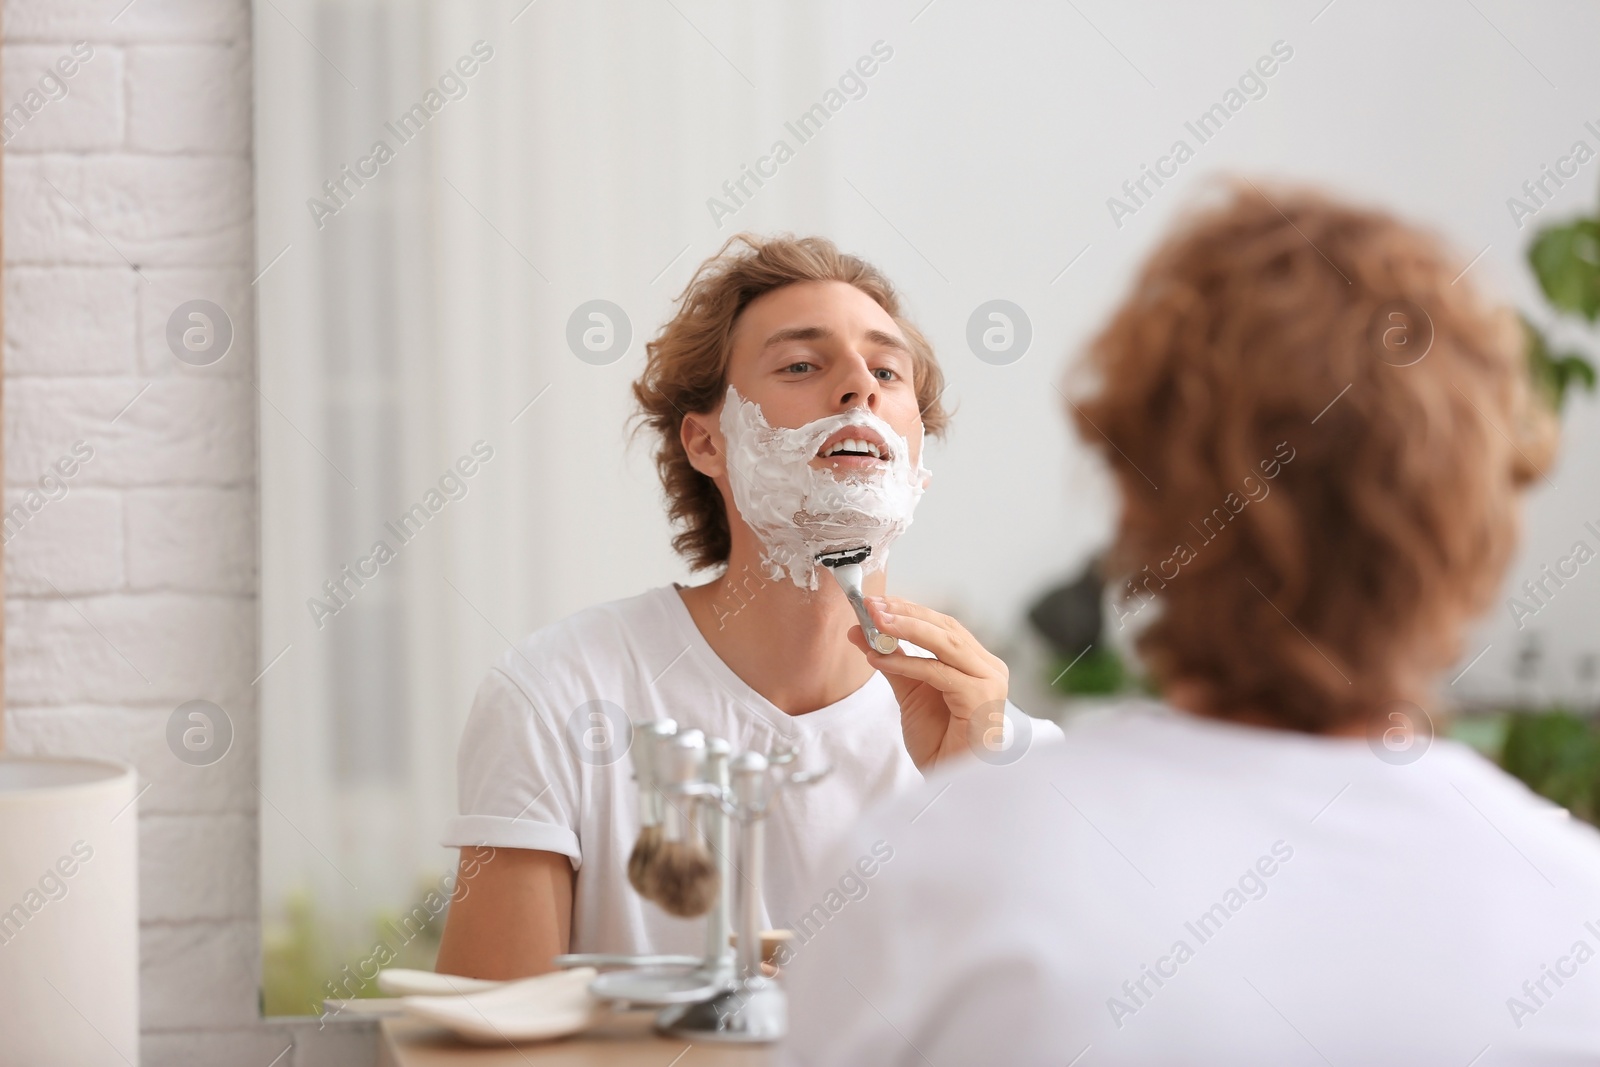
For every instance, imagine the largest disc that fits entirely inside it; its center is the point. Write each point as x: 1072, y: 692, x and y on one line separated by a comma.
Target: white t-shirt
x: 537, y: 770
x: 1162, y: 889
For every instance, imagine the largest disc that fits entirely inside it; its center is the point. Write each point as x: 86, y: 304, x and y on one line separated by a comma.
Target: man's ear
x: 702, y: 444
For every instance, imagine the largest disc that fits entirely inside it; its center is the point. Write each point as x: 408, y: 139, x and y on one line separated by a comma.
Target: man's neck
x: 786, y: 643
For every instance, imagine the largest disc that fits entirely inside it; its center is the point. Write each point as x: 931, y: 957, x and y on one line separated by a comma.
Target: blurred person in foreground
x: 1278, y: 862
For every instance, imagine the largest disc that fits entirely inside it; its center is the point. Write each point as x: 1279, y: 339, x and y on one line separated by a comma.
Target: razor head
x: 844, y: 557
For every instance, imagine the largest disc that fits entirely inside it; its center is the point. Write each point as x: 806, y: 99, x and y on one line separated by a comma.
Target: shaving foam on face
x: 797, y: 510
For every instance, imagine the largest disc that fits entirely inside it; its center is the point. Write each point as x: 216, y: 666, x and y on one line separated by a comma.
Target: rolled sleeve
x: 1045, y: 731
x: 516, y: 782
x: 501, y: 832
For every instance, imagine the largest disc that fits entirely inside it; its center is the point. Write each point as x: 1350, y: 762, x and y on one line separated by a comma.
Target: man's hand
x: 939, y: 698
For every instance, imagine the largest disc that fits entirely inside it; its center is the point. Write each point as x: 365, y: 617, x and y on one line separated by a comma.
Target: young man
x: 773, y: 340
x: 1319, y: 437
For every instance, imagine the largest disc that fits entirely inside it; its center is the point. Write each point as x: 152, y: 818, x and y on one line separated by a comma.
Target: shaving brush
x: 646, y: 754
x: 682, y: 876
x: 641, y: 858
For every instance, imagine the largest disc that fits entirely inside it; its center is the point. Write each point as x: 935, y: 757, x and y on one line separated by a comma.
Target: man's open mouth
x: 855, y: 446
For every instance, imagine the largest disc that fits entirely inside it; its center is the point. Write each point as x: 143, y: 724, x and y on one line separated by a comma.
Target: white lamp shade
x: 69, y: 913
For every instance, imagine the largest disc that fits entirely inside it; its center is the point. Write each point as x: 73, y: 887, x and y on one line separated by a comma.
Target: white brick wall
x: 136, y: 590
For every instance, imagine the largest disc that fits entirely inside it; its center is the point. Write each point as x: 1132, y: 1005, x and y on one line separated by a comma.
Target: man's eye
x: 798, y: 368
x: 884, y: 374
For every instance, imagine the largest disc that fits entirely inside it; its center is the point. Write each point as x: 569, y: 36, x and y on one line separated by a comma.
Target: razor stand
x: 753, y: 1009
x: 725, y: 996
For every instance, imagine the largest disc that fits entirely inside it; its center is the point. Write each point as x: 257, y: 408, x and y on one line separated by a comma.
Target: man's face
x: 810, y: 350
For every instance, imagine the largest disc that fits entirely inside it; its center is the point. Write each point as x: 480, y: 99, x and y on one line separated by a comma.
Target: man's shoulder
x: 1567, y: 848
x: 605, y: 641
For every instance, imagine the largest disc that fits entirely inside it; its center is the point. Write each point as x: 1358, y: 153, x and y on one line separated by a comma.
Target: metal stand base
x: 755, y: 1011
x: 658, y: 986
x: 610, y: 961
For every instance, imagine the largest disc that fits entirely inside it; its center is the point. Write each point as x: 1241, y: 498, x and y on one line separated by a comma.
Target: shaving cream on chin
x: 797, y: 510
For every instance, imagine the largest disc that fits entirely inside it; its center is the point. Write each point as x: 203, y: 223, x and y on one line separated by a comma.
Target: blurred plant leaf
x: 1099, y: 672
x: 1566, y: 260
x: 1557, y: 755
x: 301, y: 966
x: 294, y: 960
x: 1555, y: 372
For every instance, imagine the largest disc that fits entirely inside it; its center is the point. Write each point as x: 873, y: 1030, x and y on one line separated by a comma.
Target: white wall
x: 136, y: 591
x: 996, y: 138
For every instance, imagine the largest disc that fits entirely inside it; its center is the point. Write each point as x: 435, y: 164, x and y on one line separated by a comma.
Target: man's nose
x: 859, y: 388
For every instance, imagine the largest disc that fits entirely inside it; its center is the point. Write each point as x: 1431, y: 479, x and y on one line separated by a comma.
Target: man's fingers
x: 899, y: 667
x: 901, y: 685
x: 958, y: 650
x: 911, y: 609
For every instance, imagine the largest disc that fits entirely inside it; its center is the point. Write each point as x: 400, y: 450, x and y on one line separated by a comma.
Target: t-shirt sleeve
x: 516, y: 779
x: 1044, y: 730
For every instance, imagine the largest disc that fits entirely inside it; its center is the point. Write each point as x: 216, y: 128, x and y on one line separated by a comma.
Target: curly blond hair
x: 686, y: 365
x: 1265, y: 328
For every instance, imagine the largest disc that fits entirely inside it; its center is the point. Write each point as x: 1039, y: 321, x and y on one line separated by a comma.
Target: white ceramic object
x: 403, y: 982
x: 532, y: 1009
x: 69, y: 913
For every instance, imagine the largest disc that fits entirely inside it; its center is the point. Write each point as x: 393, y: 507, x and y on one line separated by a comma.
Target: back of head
x: 1319, y: 434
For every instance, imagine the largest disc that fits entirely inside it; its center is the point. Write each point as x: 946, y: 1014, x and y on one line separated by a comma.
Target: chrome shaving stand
x: 724, y: 996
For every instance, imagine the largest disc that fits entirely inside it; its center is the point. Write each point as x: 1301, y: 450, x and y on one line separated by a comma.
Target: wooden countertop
x: 623, y: 1040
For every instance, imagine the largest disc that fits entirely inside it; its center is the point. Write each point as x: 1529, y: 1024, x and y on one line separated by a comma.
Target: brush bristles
x: 642, y: 858
x: 682, y: 878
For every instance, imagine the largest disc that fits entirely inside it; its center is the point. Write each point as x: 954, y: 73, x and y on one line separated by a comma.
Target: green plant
x: 1557, y: 754
x: 1555, y: 372
x: 294, y: 959
x: 1566, y: 261
x: 1098, y: 672
x: 301, y: 966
